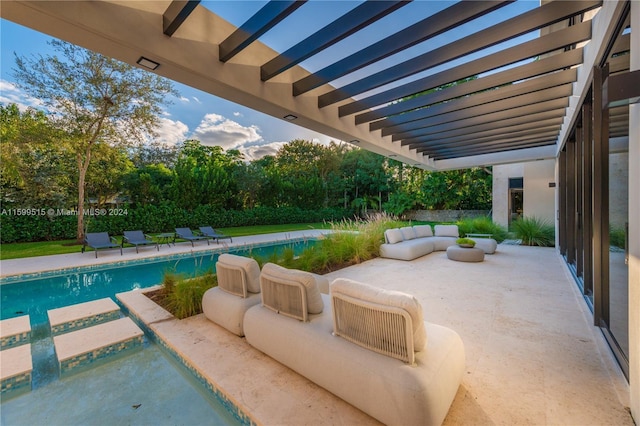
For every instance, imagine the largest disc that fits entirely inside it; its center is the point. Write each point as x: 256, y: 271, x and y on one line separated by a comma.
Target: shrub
x: 183, y: 296
x: 157, y: 218
x: 482, y: 225
x: 617, y: 237
x: 534, y: 231
x: 353, y: 241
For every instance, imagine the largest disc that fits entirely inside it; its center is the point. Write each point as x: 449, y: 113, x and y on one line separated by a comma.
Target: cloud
x: 217, y: 130
x: 183, y: 99
x: 12, y: 94
x: 171, y: 132
x: 237, y: 114
x: 255, y: 152
x: 196, y: 99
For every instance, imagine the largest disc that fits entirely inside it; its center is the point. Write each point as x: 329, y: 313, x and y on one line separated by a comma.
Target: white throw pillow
x: 423, y: 231
x: 381, y: 296
x: 447, y: 231
x: 408, y: 233
x: 393, y: 235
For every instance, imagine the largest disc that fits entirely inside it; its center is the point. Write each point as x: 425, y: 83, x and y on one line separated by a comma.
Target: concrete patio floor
x: 533, y: 357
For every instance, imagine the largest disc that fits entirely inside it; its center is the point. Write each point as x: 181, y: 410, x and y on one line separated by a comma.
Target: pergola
x: 464, y: 99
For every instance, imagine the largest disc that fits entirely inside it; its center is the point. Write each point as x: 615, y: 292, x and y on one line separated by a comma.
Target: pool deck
x: 533, y: 357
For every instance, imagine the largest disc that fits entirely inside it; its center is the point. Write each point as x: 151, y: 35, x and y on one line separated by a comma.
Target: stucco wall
x: 444, y: 215
x: 539, y: 198
x: 500, y: 193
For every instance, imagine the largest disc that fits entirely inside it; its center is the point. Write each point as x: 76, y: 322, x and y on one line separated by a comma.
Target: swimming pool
x: 35, y: 294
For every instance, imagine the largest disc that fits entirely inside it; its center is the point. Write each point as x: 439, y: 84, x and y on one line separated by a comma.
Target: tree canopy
x: 93, y: 100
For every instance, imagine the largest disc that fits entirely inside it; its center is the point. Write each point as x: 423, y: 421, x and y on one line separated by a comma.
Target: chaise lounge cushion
x: 310, y: 281
x: 384, y: 297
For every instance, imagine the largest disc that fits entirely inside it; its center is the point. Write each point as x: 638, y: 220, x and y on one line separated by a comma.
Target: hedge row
x: 152, y: 219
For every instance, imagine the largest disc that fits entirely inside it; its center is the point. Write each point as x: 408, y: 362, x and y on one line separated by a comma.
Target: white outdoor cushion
x: 306, y: 279
x: 407, y: 250
x: 407, y: 233
x: 250, y: 267
x: 393, y: 235
x: 447, y: 231
x: 388, y: 298
x: 423, y: 231
x: 227, y: 310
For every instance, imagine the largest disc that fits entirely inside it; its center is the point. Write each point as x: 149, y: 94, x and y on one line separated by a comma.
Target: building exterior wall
x: 539, y: 198
x: 500, y: 192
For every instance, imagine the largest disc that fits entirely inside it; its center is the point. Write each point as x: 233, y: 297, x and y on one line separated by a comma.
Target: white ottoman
x: 462, y: 254
x: 488, y: 245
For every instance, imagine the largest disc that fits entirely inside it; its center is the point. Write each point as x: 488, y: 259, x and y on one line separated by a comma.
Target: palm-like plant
x: 533, y: 231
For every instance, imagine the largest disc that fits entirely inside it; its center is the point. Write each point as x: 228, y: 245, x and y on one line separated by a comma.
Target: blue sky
x: 194, y: 114
x: 215, y: 121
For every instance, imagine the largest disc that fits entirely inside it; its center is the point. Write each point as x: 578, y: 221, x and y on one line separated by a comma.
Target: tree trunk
x: 82, y: 173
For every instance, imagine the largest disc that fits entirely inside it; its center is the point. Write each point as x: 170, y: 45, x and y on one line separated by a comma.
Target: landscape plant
x: 617, y: 237
x: 352, y: 242
x: 482, y: 225
x: 182, y: 296
x: 533, y: 231
x: 95, y: 102
x: 465, y: 242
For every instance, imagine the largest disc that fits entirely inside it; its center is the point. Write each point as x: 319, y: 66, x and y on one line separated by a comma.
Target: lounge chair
x: 208, y: 231
x: 100, y: 241
x: 186, y: 234
x: 138, y: 238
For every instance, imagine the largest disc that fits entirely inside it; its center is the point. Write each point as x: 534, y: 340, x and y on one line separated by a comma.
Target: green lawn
x: 45, y: 248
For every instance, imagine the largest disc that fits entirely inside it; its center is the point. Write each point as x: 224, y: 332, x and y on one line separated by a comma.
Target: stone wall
x: 444, y: 215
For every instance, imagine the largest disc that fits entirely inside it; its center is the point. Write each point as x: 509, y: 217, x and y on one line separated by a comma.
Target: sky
x: 192, y: 115
x: 214, y: 121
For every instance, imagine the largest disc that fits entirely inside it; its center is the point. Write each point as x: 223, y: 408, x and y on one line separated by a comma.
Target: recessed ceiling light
x: 290, y: 117
x: 147, y: 63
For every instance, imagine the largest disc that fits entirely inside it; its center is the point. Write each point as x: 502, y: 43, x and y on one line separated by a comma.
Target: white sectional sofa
x: 368, y: 346
x: 411, y: 242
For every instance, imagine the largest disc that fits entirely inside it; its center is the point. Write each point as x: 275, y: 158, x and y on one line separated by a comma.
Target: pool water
x: 35, y: 296
x: 143, y: 388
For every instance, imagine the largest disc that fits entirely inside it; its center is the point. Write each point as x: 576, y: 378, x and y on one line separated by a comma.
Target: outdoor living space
x: 532, y: 355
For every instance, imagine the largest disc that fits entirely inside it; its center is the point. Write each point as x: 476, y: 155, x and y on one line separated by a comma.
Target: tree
x: 33, y: 160
x: 94, y: 100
